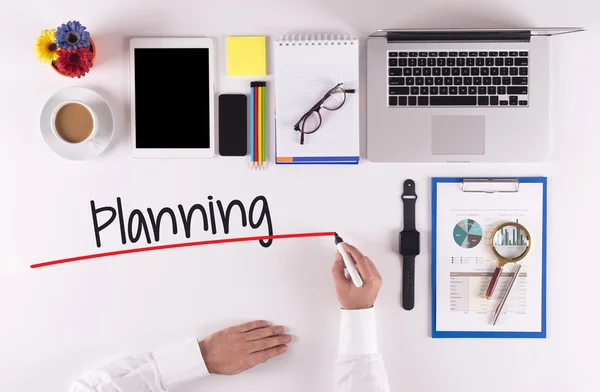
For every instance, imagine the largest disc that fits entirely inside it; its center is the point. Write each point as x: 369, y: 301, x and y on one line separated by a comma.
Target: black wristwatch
x: 410, y: 245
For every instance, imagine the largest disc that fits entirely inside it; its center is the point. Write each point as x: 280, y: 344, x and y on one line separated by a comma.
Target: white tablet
x: 172, y: 98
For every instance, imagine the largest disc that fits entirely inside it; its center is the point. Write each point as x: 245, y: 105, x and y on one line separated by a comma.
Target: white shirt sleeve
x: 160, y: 371
x: 359, y: 367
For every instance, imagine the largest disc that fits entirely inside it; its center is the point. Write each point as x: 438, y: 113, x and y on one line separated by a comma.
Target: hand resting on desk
x: 239, y: 348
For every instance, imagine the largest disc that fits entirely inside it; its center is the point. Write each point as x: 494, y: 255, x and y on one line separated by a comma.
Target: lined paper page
x: 304, y: 74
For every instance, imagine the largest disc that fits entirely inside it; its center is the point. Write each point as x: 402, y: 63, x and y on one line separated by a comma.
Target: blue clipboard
x: 481, y: 334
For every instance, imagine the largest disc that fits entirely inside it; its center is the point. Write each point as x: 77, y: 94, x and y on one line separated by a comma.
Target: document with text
x: 463, y: 260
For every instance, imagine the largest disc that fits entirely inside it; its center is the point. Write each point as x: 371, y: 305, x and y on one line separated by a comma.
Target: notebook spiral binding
x: 315, y: 39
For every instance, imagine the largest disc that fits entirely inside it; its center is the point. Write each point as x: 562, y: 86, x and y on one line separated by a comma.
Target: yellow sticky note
x: 246, y: 56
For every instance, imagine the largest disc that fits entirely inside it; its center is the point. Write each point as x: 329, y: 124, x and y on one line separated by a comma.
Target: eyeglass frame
x: 317, y: 107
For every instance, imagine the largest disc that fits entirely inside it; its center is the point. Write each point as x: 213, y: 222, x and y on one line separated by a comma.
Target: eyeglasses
x: 311, y: 121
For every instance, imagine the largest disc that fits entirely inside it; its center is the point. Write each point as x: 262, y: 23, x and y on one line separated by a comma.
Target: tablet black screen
x: 172, y: 98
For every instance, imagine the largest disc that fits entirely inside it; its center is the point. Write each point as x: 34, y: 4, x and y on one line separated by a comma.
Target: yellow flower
x: 45, y: 47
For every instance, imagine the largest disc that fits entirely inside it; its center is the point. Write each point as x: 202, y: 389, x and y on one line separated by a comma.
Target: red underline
x: 181, y: 245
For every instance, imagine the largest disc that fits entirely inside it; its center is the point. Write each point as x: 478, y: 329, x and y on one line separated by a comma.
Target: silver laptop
x: 459, y: 95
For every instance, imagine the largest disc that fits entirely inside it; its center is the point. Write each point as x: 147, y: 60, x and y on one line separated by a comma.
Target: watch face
x: 410, y: 243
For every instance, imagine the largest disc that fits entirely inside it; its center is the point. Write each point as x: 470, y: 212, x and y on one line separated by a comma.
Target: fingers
x: 362, y: 262
x: 265, y: 355
x: 267, y: 343
x: 376, y: 273
x: 262, y: 333
x: 252, y: 325
x: 338, y: 269
x: 373, y: 268
x: 355, y: 253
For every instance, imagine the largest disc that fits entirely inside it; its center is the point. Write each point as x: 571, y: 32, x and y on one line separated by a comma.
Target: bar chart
x: 510, y: 236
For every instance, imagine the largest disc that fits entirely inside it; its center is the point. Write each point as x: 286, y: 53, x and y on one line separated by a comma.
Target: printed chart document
x: 463, y: 261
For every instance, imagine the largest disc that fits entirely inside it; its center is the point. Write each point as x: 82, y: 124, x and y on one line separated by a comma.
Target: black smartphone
x: 233, y: 125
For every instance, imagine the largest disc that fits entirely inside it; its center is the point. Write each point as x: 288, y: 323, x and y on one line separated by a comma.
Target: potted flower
x: 69, y: 49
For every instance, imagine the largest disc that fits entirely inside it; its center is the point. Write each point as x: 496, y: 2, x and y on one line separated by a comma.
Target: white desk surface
x: 60, y: 321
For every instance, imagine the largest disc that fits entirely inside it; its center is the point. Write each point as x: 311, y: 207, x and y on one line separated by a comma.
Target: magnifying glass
x: 510, y: 243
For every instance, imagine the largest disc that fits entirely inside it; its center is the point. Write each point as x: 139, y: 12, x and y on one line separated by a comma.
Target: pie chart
x: 467, y: 233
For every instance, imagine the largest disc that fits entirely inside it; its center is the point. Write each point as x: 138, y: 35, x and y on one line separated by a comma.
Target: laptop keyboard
x: 443, y: 78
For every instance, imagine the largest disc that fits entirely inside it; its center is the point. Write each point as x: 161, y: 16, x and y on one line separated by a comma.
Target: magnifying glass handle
x: 493, y: 282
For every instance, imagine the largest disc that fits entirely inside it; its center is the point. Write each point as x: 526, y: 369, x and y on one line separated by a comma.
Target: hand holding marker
x: 348, y: 261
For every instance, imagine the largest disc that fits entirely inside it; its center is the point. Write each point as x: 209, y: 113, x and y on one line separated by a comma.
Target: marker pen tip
x: 337, y: 238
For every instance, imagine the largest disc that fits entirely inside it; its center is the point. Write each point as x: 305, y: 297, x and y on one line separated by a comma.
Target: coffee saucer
x: 80, y: 151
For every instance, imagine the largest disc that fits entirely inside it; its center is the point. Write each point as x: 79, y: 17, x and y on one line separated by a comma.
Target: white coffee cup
x: 71, y: 135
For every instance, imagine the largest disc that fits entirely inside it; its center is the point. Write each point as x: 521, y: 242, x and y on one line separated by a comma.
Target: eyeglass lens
x: 311, y: 122
x: 335, y: 100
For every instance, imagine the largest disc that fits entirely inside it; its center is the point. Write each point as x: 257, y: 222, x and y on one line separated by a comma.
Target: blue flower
x: 72, y: 35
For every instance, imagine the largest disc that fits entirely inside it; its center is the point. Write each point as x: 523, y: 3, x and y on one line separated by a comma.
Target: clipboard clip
x: 490, y: 185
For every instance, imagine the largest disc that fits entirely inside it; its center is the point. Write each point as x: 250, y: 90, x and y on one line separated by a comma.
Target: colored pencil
x: 260, y: 124
x: 264, y: 123
x: 252, y: 123
x: 255, y: 146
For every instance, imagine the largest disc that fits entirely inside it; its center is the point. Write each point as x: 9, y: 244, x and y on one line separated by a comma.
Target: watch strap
x: 409, y: 198
x: 408, y: 282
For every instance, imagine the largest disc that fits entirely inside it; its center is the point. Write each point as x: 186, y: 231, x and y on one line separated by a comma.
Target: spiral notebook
x: 307, y: 66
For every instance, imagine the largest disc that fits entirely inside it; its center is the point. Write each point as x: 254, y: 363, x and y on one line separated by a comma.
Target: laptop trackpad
x: 458, y: 135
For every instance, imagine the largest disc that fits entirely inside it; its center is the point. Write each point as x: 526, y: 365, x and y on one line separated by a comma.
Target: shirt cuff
x: 180, y: 364
x: 358, y: 332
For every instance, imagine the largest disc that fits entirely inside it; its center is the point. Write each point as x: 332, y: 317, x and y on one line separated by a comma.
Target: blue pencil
x: 252, y: 122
